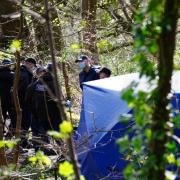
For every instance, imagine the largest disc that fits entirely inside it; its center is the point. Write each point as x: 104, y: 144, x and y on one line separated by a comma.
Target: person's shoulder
x: 81, y: 73
x: 23, y: 68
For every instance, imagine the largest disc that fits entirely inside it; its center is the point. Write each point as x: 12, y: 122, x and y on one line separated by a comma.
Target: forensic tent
x: 100, y: 124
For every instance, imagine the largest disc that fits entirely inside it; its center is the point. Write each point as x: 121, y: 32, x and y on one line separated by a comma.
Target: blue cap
x: 6, y: 61
x: 81, y: 58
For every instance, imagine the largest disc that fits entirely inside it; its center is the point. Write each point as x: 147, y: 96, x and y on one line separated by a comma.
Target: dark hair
x: 31, y: 60
x: 106, y: 71
x: 40, y: 69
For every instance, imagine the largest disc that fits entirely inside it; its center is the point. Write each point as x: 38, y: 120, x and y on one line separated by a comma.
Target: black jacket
x: 6, y: 83
x: 91, y: 75
x: 43, y: 107
x: 25, y: 80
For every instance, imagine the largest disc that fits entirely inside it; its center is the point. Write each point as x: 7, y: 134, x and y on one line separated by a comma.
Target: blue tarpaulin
x: 100, y: 124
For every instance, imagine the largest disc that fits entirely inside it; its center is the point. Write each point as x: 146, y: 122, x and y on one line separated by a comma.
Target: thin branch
x: 15, y: 95
x: 6, y: 52
x: 58, y: 89
x: 125, y: 10
x: 29, y: 11
x: 52, y: 51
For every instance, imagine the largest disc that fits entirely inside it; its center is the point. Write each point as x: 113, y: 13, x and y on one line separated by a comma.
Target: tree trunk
x: 88, y: 14
x: 18, y: 109
x: 9, y: 27
x: 165, y: 68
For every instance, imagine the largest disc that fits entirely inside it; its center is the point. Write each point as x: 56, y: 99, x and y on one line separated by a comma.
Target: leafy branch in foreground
x: 152, y: 146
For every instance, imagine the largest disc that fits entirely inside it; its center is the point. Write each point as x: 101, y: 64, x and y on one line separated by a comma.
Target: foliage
x: 15, y: 46
x: 65, y: 128
x: 40, y: 159
x: 8, y: 143
x: 114, y: 41
x: 148, y: 26
x: 66, y: 169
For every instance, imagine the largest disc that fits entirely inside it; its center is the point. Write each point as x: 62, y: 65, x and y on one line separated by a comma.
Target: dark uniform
x: 91, y: 75
x: 25, y: 79
x: 6, y: 83
x: 45, y: 112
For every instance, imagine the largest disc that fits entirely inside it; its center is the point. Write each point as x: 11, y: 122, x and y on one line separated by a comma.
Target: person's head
x: 40, y: 62
x: 6, y: 61
x: 83, y: 61
x: 104, y: 73
x: 30, y: 63
x: 50, y: 67
x: 40, y: 71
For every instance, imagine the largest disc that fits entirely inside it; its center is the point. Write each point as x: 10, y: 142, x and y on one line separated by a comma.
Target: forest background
x: 105, y: 30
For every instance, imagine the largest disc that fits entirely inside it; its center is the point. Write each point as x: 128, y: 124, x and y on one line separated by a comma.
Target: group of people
x: 39, y: 109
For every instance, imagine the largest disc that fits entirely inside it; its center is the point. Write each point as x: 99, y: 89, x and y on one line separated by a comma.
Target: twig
x: 51, y: 45
x: 29, y: 11
x: 18, y: 109
x: 16, y: 98
x: 58, y: 91
x: 6, y: 52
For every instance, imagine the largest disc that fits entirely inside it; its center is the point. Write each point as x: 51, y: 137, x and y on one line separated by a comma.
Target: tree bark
x: 88, y: 14
x: 18, y: 109
x: 15, y: 93
x: 66, y: 80
x: 58, y: 90
x: 9, y: 26
x: 165, y: 68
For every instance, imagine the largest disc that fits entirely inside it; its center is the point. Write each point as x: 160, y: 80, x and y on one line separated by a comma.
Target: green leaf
x: 128, y: 95
x: 32, y: 159
x: 123, y: 143
x: 45, y: 160
x: 171, y: 158
x: 137, y: 142
x: 2, y: 144
x: 75, y: 46
x: 40, y: 159
x: 66, y: 127
x: 10, y: 144
x: 66, y: 169
x: 178, y: 162
x: 171, y: 146
x: 15, y: 46
x: 102, y: 44
x: 55, y: 134
x: 128, y: 171
x: 148, y: 133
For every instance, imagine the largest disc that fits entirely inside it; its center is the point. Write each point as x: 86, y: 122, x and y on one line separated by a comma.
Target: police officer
x: 6, y: 83
x: 88, y: 73
x: 26, y: 76
x: 104, y: 73
x: 45, y: 112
